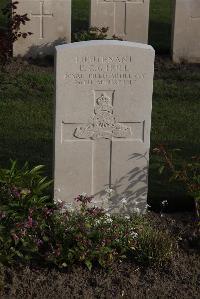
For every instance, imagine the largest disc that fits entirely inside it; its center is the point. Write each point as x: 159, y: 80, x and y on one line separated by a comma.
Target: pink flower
x: 84, y: 198
x: 15, y: 192
x: 30, y: 223
x: 57, y: 251
x: 47, y: 212
x: 31, y: 210
x: 15, y: 237
x: 39, y: 242
x: 2, y: 215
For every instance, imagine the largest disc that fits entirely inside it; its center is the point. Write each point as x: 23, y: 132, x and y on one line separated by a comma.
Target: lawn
x: 26, y: 100
x: 160, y: 21
x: 80, y: 15
x: 2, y: 19
x: 26, y: 116
x: 26, y: 104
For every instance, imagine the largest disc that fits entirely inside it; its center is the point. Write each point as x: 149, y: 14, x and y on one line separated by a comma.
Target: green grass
x: 26, y: 104
x: 26, y: 117
x: 26, y: 101
x: 175, y: 120
x: 80, y: 15
x: 160, y: 20
x: 2, y: 18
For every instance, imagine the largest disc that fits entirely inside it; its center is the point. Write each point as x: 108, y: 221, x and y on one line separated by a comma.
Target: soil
x: 179, y: 279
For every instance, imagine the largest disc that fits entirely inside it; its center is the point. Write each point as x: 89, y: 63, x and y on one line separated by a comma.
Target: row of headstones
x: 50, y: 23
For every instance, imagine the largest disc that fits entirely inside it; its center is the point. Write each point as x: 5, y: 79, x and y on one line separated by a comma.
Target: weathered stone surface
x: 50, y: 23
x: 127, y: 19
x: 103, y: 120
x: 186, y: 31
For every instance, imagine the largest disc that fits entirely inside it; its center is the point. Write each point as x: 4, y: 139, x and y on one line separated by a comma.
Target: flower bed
x: 34, y: 229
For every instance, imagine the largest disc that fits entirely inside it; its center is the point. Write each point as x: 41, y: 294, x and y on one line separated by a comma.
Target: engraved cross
x: 195, y: 18
x: 103, y: 124
x: 115, y: 14
x: 41, y: 17
x: 195, y: 13
x: 117, y: 10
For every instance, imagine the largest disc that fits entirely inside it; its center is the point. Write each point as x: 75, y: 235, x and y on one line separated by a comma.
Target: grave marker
x: 127, y: 19
x: 186, y: 31
x: 41, y: 17
x: 102, y: 123
x: 50, y: 23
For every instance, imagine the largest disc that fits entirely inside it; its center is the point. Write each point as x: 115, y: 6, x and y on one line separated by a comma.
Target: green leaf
x: 45, y: 238
x: 14, y: 163
x: 176, y: 150
x: 36, y: 169
x: 161, y: 169
x: 2, y: 227
x: 88, y: 264
x: 42, y: 180
x: 45, y: 185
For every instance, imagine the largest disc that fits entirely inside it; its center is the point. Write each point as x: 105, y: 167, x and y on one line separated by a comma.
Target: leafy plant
x: 24, y: 202
x: 13, y: 29
x: 93, y: 33
x: 35, y: 229
x: 188, y: 174
x: 154, y: 247
x: 1, y: 278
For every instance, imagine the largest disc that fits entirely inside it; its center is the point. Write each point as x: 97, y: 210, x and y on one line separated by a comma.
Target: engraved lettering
x: 103, y: 59
x: 103, y: 70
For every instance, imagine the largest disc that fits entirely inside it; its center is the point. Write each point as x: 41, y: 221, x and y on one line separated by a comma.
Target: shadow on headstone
x: 131, y: 188
x: 43, y: 55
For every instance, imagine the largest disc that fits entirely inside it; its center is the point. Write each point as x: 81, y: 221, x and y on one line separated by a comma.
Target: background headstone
x: 127, y: 19
x: 50, y: 23
x: 103, y: 120
x: 186, y: 31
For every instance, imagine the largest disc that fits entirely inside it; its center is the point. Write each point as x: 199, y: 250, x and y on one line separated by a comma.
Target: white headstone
x: 186, y: 31
x: 50, y: 23
x: 103, y: 120
x: 127, y: 19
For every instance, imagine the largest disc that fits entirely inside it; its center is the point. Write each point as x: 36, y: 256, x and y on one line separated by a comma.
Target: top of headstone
x: 105, y: 42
